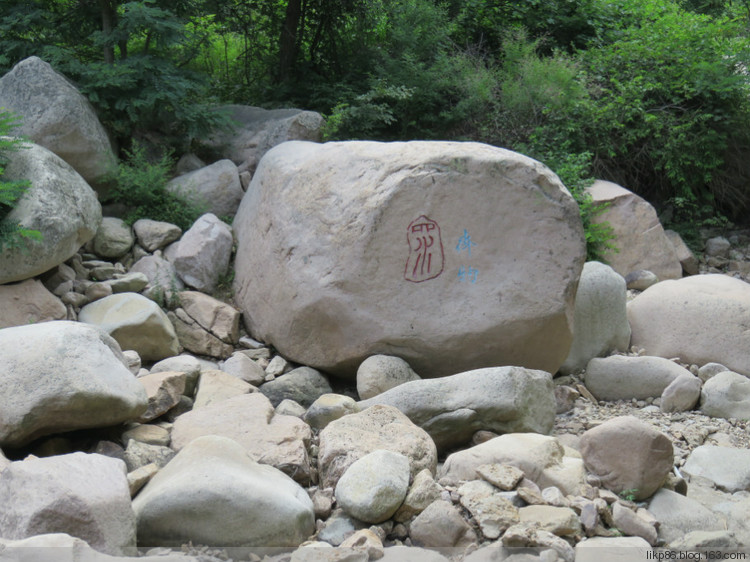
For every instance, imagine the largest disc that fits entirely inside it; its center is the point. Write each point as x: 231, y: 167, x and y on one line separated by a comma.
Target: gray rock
x: 351, y: 437
x: 133, y: 282
x: 493, y: 513
x: 628, y: 455
x: 622, y: 377
x: 135, y: 322
x: 58, y: 117
x: 183, y: 363
x: 700, y: 319
x: 330, y: 407
x: 728, y: 468
x: 214, y: 494
x: 709, y: 370
x: 640, y: 236
x: 241, y: 366
x: 422, y: 492
x: 249, y: 420
x: 641, y: 280
x: 560, y: 521
x: 601, y: 321
x: 679, y: 515
x: 441, y: 525
x: 153, y: 235
x: 215, y: 188
x: 59, y: 204
x: 373, y: 487
x: 86, y: 496
x: 60, y: 376
x: 629, y: 523
x: 147, y: 433
x: 258, y: 130
x: 688, y: 261
x: 726, y: 395
x: 162, y: 276
x: 338, y: 527
x: 682, y: 394
x: 290, y: 408
x: 379, y: 373
x: 138, y: 454
x: 616, y: 549
x: 718, y: 247
x: 364, y: 287
x: 28, y: 302
x: 203, y: 253
x: 303, y: 385
x: 164, y: 391
x: 500, y: 399
x: 113, y: 239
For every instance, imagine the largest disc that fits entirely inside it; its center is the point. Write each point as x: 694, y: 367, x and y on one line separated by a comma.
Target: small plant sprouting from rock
x: 629, y: 495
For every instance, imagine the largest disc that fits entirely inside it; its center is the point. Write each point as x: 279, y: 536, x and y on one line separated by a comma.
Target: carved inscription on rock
x: 426, y: 256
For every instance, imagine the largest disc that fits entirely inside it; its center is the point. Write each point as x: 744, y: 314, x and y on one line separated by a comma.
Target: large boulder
x: 700, y: 319
x: 203, y: 253
x: 212, y: 493
x: 136, y: 323
x: 216, y: 188
x: 86, y: 496
x: 257, y: 130
x: 59, y: 204
x: 436, y: 252
x: 60, y: 376
x: 640, y: 237
x: 55, y: 115
x: 601, y: 319
x: 500, y: 399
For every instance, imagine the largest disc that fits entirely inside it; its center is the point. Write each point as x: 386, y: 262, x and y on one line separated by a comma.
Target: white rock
x: 601, y: 321
x: 700, y: 319
x: 726, y: 395
x: 113, y: 239
x: 241, y: 366
x: 615, y: 549
x: 728, y: 468
x: 379, y: 373
x: 59, y: 204
x: 679, y: 515
x: 212, y: 493
x: 86, y: 496
x: 215, y: 188
x: 164, y: 391
x: 135, y: 322
x: 203, y: 254
x: 373, y: 487
x: 640, y: 236
x: 216, y: 386
x: 500, y: 399
x: 153, y: 235
x: 361, y: 280
x: 58, y: 117
x: 622, y: 377
x: 330, y: 407
x: 61, y: 376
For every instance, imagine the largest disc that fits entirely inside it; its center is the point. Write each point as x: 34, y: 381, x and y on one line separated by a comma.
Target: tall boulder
x: 257, y: 130
x: 435, y: 252
x: 59, y: 204
x: 55, y: 115
x: 640, y: 237
x: 700, y: 319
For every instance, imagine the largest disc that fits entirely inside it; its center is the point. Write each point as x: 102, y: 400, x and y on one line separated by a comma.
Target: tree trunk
x: 288, y: 39
x: 108, y: 19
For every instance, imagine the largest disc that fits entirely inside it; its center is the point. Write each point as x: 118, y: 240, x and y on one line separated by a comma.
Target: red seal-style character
x: 425, y: 259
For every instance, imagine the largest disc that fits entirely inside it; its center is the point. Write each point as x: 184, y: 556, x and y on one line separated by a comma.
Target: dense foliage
x: 652, y: 94
x: 12, y: 235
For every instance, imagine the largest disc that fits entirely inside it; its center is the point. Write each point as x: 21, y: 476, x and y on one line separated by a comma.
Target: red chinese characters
x: 426, y: 256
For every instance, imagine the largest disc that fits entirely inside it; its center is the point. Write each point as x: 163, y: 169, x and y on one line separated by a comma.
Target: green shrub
x: 141, y: 185
x: 12, y: 235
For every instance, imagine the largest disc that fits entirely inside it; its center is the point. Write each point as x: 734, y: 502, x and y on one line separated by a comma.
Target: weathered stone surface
x: 162, y: 276
x: 164, y: 390
x: 622, y: 377
x: 628, y: 455
x: 135, y: 322
x: 542, y: 459
x: 441, y: 525
x: 379, y: 373
x: 629, y: 523
x: 86, y: 496
x: 726, y: 395
x: 640, y: 236
x: 212, y: 493
x: 727, y: 467
x: 214, y: 316
x: 187, y: 364
x: 153, y: 235
x: 258, y: 130
x: 351, y: 437
x: 58, y: 117
x: 682, y: 394
x: 127, y: 282
x: 59, y: 376
x: 601, y: 320
x: 374, y: 486
x: 303, y: 385
x: 28, y: 302
x: 641, y: 280
x: 493, y: 513
x: 113, y: 239
x: 357, y: 282
x: 138, y: 454
x: 700, y: 319
x: 422, y: 492
x: 215, y: 386
x: 249, y: 419
x: 330, y: 407
x: 688, y: 261
x: 614, y: 549
x: 500, y: 399
x: 149, y: 434
x: 215, y: 188
x: 560, y: 521
x: 203, y: 253
x: 59, y: 204
x: 241, y: 366
x: 679, y: 515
